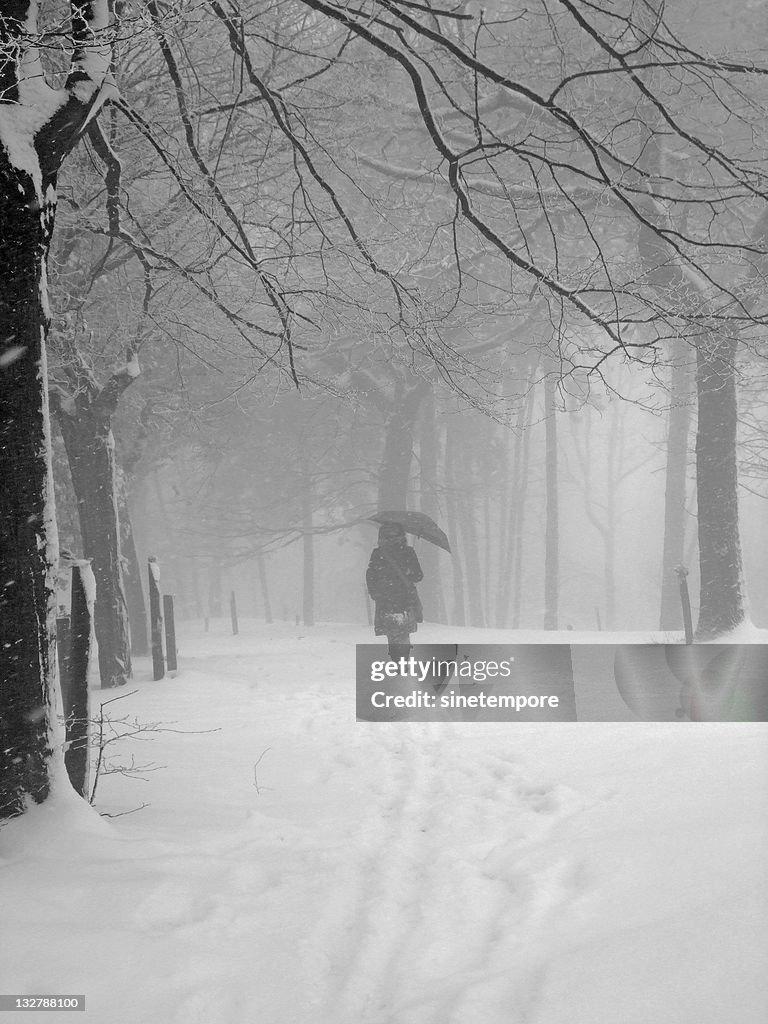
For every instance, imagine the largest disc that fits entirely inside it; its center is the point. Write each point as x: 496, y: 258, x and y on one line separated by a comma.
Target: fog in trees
x: 503, y: 266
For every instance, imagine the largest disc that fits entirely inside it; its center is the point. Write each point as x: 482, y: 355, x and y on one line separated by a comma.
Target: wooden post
x: 155, y: 620
x: 597, y: 617
x: 170, y: 632
x: 685, y: 599
x: 233, y: 612
x: 75, y: 693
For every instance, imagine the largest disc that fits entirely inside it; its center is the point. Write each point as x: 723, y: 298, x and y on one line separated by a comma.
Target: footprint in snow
x: 541, y: 799
x: 171, y: 905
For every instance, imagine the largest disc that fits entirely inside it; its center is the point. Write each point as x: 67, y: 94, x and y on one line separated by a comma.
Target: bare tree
x: 39, y: 126
x: 573, y: 173
x: 85, y: 419
x: 571, y: 177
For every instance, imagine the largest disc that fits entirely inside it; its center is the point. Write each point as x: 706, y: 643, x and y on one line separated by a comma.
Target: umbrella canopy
x: 417, y: 523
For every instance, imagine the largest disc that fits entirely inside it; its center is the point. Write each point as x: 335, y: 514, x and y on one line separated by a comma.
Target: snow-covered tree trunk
x: 27, y: 530
x: 39, y: 126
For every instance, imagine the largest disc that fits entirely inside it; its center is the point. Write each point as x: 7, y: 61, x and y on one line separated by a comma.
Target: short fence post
x: 685, y: 600
x: 233, y: 612
x: 156, y: 620
x: 170, y: 632
x: 75, y: 690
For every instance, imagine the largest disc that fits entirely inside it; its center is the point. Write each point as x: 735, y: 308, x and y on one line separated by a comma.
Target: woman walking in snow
x: 391, y: 578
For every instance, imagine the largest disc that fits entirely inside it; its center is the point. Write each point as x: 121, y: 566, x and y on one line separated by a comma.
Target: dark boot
x: 398, y: 649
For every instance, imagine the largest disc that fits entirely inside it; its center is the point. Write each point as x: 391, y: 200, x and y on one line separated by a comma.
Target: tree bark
x: 722, y: 605
x: 32, y: 149
x: 27, y: 529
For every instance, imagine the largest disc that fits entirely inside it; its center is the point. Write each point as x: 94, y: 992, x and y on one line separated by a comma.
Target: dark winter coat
x: 391, y: 578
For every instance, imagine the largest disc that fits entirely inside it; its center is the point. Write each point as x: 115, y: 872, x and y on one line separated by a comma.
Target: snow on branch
x: 39, y: 124
x: 93, y: 37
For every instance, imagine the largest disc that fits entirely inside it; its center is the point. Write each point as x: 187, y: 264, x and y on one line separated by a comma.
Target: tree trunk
x: 519, y: 551
x: 609, y: 539
x: 464, y: 491
x: 86, y: 426
x: 490, y: 557
x: 134, y: 591
x: 430, y: 589
x: 721, y: 606
x: 675, y: 515
x: 506, y: 522
x: 394, y: 476
x: 308, y: 589
x: 469, y: 538
x: 264, y: 585
x: 27, y: 526
x: 616, y: 469
x: 517, y: 547
x: 33, y: 146
x: 552, y: 524
x: 459, y: 616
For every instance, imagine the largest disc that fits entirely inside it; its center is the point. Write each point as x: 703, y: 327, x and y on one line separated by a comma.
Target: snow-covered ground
x: 297, y: 867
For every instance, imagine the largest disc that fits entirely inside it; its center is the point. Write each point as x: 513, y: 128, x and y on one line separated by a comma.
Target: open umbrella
x: 417, y: 523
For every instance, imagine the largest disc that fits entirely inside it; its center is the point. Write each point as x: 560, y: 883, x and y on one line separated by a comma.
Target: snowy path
x: 399, y: 873
x: 436, y: 911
